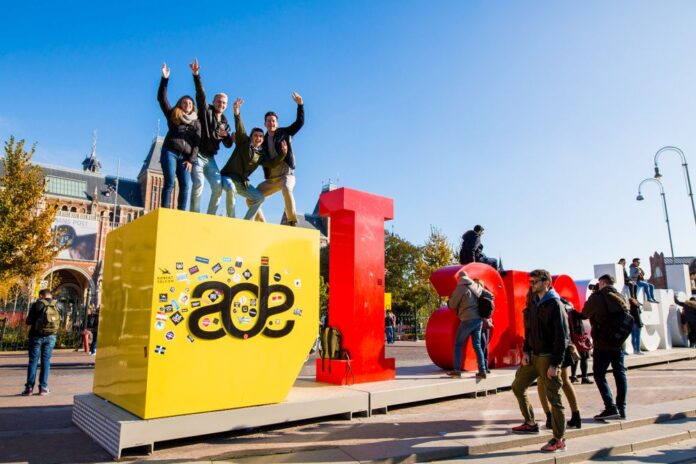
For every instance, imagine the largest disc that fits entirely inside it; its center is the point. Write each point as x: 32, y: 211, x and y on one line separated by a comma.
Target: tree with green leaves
x: 400, y: 259
x: 27, y: 243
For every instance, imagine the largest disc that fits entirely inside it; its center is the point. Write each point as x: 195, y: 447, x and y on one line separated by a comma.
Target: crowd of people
x: 556, y: 341
x: 193, y: 141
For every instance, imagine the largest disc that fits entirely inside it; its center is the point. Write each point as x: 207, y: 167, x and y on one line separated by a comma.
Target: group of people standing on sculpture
x: 193, y: 140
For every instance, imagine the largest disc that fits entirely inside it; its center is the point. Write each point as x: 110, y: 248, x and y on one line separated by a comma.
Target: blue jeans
x: 40, y: 347
x: 206, y: 167
x: 173, y: 167
x: 602, y: 360
x: 93, y: 345
x: 251, y: 193
x: 389, y: 331
x: 635, y: 338
x: 468, y: 328
x: 648, y: 289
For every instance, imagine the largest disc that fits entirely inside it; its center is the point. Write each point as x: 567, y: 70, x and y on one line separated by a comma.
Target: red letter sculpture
x: 356, y: 290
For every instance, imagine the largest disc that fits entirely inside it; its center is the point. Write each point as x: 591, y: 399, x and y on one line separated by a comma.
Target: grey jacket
x: 464, y: 299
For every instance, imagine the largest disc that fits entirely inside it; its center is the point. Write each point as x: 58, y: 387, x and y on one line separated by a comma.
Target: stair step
x: 589, y: 447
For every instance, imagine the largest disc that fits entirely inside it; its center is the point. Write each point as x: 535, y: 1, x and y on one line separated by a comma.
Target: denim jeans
x: 635, y: 338
x: 602, y: 360
x: 173, y: 167
x: 206, y: 167
x: 648, y: 289
x: 468, y: 328
x: 93, y: 345
x: 389, y: 331
x: 40, y: 347
x: 252, y: 195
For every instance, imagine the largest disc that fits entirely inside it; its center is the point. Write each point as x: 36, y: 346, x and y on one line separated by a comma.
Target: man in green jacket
x: 246, y: 157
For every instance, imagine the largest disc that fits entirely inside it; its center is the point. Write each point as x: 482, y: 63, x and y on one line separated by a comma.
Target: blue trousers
x: 40, y: 347
x: 173, y: 167
x: 602, y: 360
x: 468, y: 328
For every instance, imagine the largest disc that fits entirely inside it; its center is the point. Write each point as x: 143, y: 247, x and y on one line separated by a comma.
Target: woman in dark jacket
x: 180, y: 147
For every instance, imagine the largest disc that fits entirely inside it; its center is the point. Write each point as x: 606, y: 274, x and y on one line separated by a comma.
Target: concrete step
x: 672, y: 453
x: 591, y: 447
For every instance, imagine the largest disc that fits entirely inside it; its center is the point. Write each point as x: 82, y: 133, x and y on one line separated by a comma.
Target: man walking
x: 603, y: 307
x: 545, y: 342
x: 281, y: 177
x: 464, y: 300
x: 214, y: 129
x: 472, y: 249
x: 44, y: 321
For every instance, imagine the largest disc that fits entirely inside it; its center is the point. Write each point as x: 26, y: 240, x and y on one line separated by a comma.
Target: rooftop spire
x: 91, y: 163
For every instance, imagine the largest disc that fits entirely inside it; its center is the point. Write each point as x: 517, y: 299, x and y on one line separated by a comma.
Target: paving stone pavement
x: 26, y: 421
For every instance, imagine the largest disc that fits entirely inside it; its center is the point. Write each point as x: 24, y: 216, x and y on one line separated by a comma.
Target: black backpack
x: 619, y: 325
x: 485, y: 304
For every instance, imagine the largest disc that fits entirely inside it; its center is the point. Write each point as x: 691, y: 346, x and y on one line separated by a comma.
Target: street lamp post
x: 664, y: 207
x: 687, y: 178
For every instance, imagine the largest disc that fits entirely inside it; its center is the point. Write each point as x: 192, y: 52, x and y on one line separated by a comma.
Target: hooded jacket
x: 597, y: 310
x: 546, y: 330
x: 471, y: 247
x: 210, y: 142
x: 464, y: 299
x: 183, y: 139
x: 285, y: 133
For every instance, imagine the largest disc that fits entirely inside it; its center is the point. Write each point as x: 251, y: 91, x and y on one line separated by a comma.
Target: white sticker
x: 159, y: 325
x: 298, y: 283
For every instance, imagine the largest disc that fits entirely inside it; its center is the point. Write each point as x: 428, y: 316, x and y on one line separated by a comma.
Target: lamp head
x: 640, y: 197
x: 657, y: 173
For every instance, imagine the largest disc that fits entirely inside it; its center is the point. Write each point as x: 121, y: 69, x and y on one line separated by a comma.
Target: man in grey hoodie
x: 464, y: 300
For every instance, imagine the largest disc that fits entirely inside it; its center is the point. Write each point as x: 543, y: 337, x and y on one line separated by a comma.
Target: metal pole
x: 687, y: 177
x: 669, y: 229
x: 688, y: 189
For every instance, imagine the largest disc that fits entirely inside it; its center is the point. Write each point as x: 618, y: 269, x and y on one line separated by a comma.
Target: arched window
x: 64, y: 208
x: 73, y: 210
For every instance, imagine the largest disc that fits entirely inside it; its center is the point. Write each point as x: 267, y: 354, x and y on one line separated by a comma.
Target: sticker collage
x: 210, y: 299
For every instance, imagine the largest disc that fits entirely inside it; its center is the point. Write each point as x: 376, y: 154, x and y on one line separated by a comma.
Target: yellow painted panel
x: 387, y: 301
x: 232, y: 312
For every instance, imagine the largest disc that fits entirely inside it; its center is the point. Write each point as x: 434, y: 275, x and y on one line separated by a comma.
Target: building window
x: 66, y: 187
x: 64, y: 208
x: 73, y: 210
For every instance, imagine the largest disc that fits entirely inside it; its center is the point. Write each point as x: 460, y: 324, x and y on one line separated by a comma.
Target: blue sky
x: 537, y: 119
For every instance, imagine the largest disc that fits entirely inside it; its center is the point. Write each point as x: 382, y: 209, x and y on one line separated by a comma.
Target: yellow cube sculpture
x: 203, y: 313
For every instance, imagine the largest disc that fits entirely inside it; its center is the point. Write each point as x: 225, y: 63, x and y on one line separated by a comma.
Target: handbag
x: 582, y: 342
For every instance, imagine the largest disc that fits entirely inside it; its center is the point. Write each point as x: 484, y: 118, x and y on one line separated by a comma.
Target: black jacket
x: 210, y: 142
x: 184, y: 139
x: 285, y: 133
x: 471, y: 247
x: 546, y: 330
x: 597, y: 310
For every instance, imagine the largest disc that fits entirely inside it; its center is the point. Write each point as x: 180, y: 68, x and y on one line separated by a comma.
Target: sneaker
x: 481, y: 375
x: 554, y: 445
x: 27, y: 391
x: 607, y: 414
x: 587, y: 381
x: 640, y: 353
x: 526, y: 428
x: 44, y: 391
x: 622, y: 414
x: 455, y: 374
x: 573, y: 379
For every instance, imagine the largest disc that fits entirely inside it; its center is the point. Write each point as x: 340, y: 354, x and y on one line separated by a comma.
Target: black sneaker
x: 27, y: 391
x: 622, y: 414
x: 607, y: 414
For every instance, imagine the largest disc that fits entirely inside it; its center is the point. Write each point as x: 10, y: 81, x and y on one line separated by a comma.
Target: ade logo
x: 223, y: 306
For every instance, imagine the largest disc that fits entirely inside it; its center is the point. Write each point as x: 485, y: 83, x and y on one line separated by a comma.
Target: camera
x: 593, y: 287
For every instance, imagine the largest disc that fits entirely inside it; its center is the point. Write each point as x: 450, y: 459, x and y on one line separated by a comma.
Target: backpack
x: 485, y: 304
x: 618, y: 326
x: 47, y: 321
